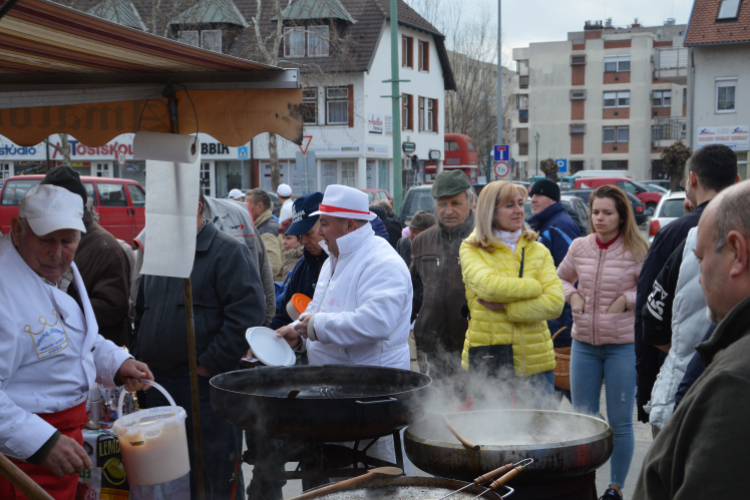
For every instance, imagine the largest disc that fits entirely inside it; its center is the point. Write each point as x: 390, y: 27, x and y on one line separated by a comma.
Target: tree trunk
x: 65, y: 148
x: 674, y: 182
x: 273, y: 152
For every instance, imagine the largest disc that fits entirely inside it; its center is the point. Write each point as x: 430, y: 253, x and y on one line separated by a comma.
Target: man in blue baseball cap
x: 305, y: 274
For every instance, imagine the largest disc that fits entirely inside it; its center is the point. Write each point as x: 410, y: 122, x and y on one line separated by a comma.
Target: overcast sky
x: 528, y: 21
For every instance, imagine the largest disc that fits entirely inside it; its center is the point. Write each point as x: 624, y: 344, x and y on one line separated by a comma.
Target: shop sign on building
x: 735, y: 137
x: 388, y: 125
x: 409, y: 147
x: 375, y: 123
x: 377, y: 149
x: 337, y: 149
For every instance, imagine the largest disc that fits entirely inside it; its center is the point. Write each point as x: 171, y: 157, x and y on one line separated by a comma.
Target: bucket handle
x: 152, y: 384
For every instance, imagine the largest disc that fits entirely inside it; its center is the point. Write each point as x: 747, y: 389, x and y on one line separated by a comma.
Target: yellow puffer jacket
x: 529, y: 302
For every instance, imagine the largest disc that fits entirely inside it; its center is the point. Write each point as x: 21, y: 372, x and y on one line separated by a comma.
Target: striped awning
x: 65, y: 71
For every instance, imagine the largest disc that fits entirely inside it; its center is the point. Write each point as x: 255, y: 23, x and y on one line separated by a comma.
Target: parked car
x: 576, y: 208
x: 662, y: 183
x: 119, y: 202
x: 655, y: 188
x: 627, y: 185
x: 377, y: 194
x: 602, y: 173
x: 639, y: 208
x: 669, y: 208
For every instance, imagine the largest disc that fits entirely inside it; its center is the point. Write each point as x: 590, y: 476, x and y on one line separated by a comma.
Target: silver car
x: 670, y: 207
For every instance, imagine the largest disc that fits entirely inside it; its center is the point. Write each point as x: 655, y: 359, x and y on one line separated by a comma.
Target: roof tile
x: 704, y: 29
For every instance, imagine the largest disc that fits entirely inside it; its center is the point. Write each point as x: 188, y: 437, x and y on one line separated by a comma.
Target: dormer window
x: 207, y: 39
x: 729, y: 10
x: 310, y: 41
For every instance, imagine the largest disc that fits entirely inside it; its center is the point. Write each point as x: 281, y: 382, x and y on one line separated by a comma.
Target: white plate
x: 269, y: 349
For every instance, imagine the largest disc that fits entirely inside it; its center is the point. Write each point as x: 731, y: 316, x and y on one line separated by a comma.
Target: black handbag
x: 494, y: 360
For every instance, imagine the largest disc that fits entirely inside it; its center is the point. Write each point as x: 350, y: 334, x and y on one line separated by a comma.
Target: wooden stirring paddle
x: 371, y: 474
x: 460, y: 436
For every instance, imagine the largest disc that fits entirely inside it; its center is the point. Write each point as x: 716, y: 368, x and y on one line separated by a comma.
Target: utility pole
x: 499, y: 82
x: 398, y: 188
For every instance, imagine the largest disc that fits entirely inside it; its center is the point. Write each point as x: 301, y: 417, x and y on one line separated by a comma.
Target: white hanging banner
x: 171, y: 218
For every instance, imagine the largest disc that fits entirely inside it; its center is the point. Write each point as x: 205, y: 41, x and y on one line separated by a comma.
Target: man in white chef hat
x: 360, y: 312
x: 50, y: 350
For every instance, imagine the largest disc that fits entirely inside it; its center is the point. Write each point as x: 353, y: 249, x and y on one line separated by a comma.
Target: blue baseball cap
x: 303, y: 206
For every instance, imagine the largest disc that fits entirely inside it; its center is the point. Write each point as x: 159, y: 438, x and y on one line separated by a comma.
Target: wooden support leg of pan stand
x: 20, y: 480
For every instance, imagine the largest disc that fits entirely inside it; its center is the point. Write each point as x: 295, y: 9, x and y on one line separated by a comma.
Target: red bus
x: 460, y: 153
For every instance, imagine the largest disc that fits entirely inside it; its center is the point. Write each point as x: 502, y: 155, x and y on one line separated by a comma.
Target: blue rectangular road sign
x: 242, y: 153
x: 562, y: 166
x: 502, y: 152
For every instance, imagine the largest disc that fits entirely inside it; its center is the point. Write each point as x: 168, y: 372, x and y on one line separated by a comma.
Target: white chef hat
x: 48, y: 208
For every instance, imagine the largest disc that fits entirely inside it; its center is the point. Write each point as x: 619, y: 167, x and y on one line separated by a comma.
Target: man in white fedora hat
x: 50, y: 348
x: 361, y: 308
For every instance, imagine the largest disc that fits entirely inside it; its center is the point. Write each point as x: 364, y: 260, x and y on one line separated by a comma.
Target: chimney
x: 670, y: 22
x: 608, y: 23
x: 635, y: 24
x: 593, y: 25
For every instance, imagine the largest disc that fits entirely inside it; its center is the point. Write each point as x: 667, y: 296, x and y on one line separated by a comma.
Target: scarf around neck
x: 510, y: 239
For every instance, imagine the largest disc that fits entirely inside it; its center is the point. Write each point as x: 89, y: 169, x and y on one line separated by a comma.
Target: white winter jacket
x: 362, y: 305
x: 689, y: 325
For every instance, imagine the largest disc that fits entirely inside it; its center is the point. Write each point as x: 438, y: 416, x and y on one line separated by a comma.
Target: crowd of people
x: 477, y: 290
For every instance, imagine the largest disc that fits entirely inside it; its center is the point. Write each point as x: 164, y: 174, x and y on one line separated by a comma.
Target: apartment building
x: 719, y: 71
x: 593, y: 101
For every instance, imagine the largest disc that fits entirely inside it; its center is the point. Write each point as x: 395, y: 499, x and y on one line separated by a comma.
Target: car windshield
x: 655, y: 188
x: 17, y: 189
x: 674, y: 207
x: 418, y: 199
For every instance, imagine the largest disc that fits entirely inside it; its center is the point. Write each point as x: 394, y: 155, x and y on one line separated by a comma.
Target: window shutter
x: 411, y: 113
x: 350, y: 105
x: 427, y: 57
x: 411, y: 51
x: 403, y: 51
x: 435, y: 115
x: 420, y: 112
x: 403, y: 116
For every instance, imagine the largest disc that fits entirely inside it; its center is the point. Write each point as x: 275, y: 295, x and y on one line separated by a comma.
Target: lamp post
x: 536, y: 139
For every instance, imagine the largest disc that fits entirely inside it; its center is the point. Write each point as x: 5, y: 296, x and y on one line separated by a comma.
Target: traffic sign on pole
x: 306, y: 140
x: 501, y: 169
x: 562, y: 166
x: 242, y: 153
x: 502, y: 152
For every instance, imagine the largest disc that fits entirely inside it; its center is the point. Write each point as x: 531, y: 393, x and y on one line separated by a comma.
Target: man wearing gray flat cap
x: 440, y: 326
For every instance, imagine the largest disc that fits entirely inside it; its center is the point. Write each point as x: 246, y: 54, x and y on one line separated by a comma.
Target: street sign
x: 502, y: 153
x: 242, y: 153
x: 121, y: 158
x: 501, y: 169
x: 409, y: 147
x: 562, y: 166
x: 306, y: 140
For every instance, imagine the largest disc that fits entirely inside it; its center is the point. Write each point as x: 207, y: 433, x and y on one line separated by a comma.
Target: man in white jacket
x: 360, y: 312
x: 50, y: 348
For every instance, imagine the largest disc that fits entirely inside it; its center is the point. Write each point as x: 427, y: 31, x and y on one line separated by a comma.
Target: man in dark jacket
x: 305, y: 274
x: 557, y: 230
x: 102, y: 262
x: 710, y: 426
x: 712, y: 168
x: 441, y: 321
x: 266, y: 225
x: 228, y: 299
x: 384, y: 211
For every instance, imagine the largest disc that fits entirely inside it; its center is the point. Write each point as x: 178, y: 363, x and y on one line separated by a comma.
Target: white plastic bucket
x: 153, y: 442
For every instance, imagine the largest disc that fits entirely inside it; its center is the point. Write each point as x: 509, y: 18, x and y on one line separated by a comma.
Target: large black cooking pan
x: 335, y: 402
x: 414, y: 488
x: 563, y: 445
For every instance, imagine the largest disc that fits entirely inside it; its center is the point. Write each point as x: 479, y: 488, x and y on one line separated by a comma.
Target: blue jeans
x: 220, y: 439
x: 615, y: 363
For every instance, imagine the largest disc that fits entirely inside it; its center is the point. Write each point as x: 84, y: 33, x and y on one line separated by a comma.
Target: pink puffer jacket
x: 602, y: 275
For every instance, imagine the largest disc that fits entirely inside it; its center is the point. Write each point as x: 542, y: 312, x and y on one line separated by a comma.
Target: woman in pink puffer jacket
x: 606, y: 265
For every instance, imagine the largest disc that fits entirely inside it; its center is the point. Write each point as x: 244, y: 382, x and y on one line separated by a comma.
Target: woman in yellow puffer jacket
x: 512, y: 289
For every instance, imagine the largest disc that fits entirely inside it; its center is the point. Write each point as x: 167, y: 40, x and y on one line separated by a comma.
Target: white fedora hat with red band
x: 345, y: 202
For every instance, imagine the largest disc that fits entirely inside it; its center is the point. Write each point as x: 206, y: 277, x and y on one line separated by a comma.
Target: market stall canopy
x: 65, y: 71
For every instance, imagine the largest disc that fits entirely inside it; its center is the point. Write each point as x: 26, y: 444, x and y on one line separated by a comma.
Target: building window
x: 617, y: 99
x: 726, y: 89
x: 312, y: 41
x: 523, y: 101
x: 310, y: 105
x: 577, y: 95
x: 190, y: 38
x: 383, y: 174
x: 577, y: 60
x: 294, y: 42
x: 661, y: 99
x: 407, y: 52
x: 424, y: 56
x: 616, y: 63
x: 337, y: 105
x: 729, y: 10
x: 407, y: 116
x: 208, y: 39
x: 684, y: 97
x: 614, y: 164
x: 430, y: 122
x: 616, y: 134
x: 347, y: 173
x: 211, y: 40
x: 317, y: 41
